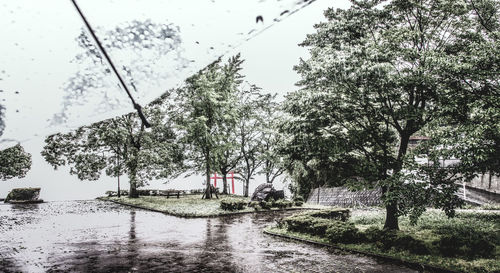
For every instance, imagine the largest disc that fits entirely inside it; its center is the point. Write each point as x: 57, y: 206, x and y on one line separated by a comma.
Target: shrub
x: 232, y: 204
x: 298, y: 203
x: 144, y: 192
x: 253, y: 204
x: 265, y: 205
x: 282, y: 203
x: 407, y: 242
x: 115, y: 193
x: 331, y: 214
x: 465, y: 241
x: 386, y: 239
x: 298, y: 198
x: 307, y: 224
x: 342, y: 232
x: 372, y: 234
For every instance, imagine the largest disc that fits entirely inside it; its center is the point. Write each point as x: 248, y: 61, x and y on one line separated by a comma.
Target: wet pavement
x: 97, y: 236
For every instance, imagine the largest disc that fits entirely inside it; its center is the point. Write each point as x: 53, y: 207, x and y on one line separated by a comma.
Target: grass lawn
x: 430, y: 227
x: 187, y: 205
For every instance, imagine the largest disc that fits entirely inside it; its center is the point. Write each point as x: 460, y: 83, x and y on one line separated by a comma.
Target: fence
x: 343, y: 197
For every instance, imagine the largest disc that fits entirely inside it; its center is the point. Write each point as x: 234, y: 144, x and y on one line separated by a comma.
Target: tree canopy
x: 382, y: 71
x: 205, y: 113
x: 119, y: 145
x: 14, y: 162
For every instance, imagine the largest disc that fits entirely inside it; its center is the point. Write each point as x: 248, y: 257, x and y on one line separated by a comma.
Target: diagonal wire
x: 105, y: 54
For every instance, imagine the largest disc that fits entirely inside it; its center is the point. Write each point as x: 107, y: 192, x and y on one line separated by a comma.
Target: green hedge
x: 307, y: 224
x: 282, y: 203
x: 115, y: 193
x: 331, y: 214
x: 299, y: 198
x: 386, y: 239
x: 465, y: 241
x: 232, y: 204
x: 335, y: 231
x: 342, y: 232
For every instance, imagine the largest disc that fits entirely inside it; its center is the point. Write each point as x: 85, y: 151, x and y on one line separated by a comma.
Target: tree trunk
x: 391, y: 218
x: 224, y: 182
x: 118, y: 165
x: 208, y: 190
x: 133, y: 188
x: 245, y: 188
x: 119, y: 195
x: 133, y: 178
x: 391, y: 209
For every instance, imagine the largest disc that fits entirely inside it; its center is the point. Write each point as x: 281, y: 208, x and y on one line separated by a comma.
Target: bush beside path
x: 469, y: 242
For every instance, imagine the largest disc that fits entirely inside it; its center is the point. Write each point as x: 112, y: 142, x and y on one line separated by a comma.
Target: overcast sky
x: 269, y: 60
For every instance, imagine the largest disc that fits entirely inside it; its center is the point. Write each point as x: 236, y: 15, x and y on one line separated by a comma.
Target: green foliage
x: 23, y: 194
x: 144, y: 192
x: 307, y: 224
x: 323, y: 223
x: 380, y: 73
x: 386, y: 239
x: 255, y: 205
x: 14, y: 162
x: 282, y: 203
x: 271, y: 141
x: 119, y: 146
x: 265, y: 205
x: 331, y: 214
x: 204, y: 114
x: 115, y: 193
x: 465, y: 241
x: 422, y: 242
x: 298, y: 200
x: 342, y: 232
x: 186, y: 206
x: 232, y: 204
x: 256, y: 136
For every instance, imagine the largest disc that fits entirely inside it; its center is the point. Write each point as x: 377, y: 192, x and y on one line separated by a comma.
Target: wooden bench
x: 169, y: 193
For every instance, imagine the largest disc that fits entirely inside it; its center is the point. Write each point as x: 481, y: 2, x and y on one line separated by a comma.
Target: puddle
x: 96, y: 236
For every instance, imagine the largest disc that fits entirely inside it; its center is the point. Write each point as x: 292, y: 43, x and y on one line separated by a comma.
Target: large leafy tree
x: 118, y: 146
x: 253, y: 110
x: 14, y: 162
x: 472, y: 131
x: 383, y: 71
x: 314, y: 154
x: 273, y: 164
x: 230, y: 155
x: 205, y: 113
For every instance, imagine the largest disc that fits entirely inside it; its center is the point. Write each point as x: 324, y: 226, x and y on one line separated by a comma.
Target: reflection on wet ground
x: 96, y: 236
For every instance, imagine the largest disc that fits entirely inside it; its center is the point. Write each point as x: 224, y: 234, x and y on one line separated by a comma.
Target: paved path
x: 95, y: 236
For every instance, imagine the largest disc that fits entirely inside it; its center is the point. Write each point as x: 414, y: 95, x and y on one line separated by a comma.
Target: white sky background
x: 269, y: 59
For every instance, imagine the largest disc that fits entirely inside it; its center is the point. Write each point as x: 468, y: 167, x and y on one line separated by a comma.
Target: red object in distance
x: 231, y: 176
x: 215, y: 177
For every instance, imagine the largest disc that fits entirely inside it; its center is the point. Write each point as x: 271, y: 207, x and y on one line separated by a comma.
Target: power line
x: 105, y: 54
